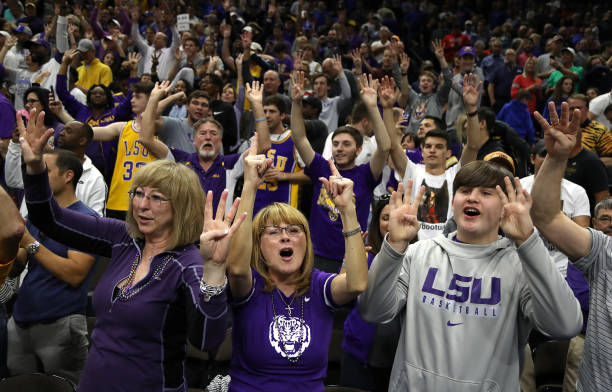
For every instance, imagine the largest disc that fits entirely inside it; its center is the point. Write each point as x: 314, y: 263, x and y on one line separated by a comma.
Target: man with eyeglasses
x: 602, y: 220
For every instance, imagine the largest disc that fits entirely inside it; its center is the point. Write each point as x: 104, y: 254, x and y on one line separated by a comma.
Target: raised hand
x: 471, y: 91
x: 226, y: 30
x: 561, y: 134
x: 10, y: 42
x: 387, y: 92
x: 404, y: 62
x: 367, y: 89
x: 438, y: 48
x: 403, y: 224
x: 298, y: 82
x: 178, y: 53
x: 516, y: 221
x: 55, y: 105
x: 298, y: 57
x: 255, y: 166
x: 356, y: 55
x: 134, y: 59
x: 33, y: 139
x: 134, y: 14
x: 337, y: 64
x: 254, y: 92
x: 69, y: 56
x: 160, y: 90
x: 217, y: 232
x: 339, y: 188
x: 239, y: 60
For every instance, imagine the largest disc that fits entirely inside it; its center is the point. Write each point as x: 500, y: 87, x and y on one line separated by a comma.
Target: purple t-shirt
x: 263, y: 345
x: 325, y: 223
x: 358, y: 333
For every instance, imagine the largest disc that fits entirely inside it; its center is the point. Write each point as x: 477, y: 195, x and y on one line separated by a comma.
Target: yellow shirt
x: 4, y: 270
x: 131, y: 155
x: 95, y: 73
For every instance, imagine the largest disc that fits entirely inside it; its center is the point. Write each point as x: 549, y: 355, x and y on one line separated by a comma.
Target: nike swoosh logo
x: 216, y: 113
x: 306, y: 299
x: 449, y: 324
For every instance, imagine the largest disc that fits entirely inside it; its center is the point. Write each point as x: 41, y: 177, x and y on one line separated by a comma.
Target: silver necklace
x: 287, y: 305
x: 283, y: 343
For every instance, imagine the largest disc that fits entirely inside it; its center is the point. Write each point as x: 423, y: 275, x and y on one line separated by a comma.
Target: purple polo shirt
x: 325, y: 222
x: 216, y: 178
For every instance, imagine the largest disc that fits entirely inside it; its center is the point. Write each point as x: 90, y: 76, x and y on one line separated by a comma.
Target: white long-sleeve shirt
x: 330, y: 109
x: 91, y: 188
x: 166, y: 55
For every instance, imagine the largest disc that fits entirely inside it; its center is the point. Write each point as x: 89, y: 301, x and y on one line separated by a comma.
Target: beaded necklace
x: 275, y: 318
x: 127, y: 291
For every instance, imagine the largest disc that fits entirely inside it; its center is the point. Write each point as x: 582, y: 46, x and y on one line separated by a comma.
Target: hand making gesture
x: 368, y: 89
x: 339, y: 188
x: 388, y: 93
x: 338, y: 65
x: 160, y: 90
x: 218, y: 231
x: 254, y: 92
x: 560, y: 135
x: 403, y: 224
x: 471, y: 91
x: 255, y: 166
x: 298, y: 81
x: 515, y: 221
x: 404, y: 63
x: 33, y: 139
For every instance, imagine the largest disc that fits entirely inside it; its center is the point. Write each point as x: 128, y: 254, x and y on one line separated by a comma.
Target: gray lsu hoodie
x: 467, y: 310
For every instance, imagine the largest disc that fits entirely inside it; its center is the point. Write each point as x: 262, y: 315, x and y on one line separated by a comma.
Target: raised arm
x: 389, y: 273
x: 471, y: 88
x: 254, y: 94
x: 298, y: 128
x: 349, y: 284
x: 140, y: 43
x: 567, y: 236
x: 149, y: 122
x: 368, y: 90
x: 239, y: 258
x: 11, y: 231
x: 345, y: 88
x: 398, y: 154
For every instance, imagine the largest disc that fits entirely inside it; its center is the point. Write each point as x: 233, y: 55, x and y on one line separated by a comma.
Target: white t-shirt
x: 575, y: 202
x: 597, y: 107
x: 436, y: 206
x: 367, y: 149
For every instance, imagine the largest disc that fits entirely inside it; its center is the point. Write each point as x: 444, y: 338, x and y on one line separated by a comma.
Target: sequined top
x: 138, y: 344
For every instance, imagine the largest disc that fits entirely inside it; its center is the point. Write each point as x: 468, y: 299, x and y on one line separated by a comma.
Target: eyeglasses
x: 276, y: 231
x: 155, y: 200
x: 605, y: 219
x: 31, y: 101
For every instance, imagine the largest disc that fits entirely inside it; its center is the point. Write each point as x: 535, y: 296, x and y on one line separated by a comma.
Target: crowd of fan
x: 306, y: 122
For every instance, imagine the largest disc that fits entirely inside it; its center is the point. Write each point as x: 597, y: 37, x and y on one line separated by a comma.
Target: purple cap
x: 40, y: 41
x: 307, y: 25
x: 467, y: 50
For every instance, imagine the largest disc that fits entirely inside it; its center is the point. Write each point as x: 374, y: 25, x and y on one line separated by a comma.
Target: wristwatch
x: 32, y: 248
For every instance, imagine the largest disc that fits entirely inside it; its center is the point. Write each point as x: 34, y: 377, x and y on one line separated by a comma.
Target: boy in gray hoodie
x: 470, y: 299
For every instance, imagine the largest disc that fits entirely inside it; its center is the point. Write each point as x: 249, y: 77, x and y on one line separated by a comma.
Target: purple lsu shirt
x: 262, y: 346
x: 325, y: 222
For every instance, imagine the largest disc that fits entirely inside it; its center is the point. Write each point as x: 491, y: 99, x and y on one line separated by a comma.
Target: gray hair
x: 605, y: 204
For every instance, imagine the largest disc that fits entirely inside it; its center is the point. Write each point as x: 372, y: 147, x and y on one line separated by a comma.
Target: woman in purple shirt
x: 156, y: 292
x: 282, y: 306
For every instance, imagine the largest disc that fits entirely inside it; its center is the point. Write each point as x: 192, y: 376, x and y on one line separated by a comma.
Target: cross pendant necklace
x: 287, y: 305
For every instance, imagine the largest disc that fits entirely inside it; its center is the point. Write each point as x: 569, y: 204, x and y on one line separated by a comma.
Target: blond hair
x: 276, y: 214
x: 181, y: 185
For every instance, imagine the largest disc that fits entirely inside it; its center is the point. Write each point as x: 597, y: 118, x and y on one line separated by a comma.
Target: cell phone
x: 406, y: 117
x: 53, y: 91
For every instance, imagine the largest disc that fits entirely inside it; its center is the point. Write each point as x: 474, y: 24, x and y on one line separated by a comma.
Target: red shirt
x: 452, y: 44
x: 520, y: 82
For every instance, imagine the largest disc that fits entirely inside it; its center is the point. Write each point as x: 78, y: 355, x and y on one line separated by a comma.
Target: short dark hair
x: 276, y: 100
x: 86, y: 131
x: 67, y: 160
x: 481, y: 174
x: 608, y: 109
x: 215, y: 80
x: 321, y: 75
x: 143, y: 88
x: 440, y: 125
x: 360, y: 111
x: 107, y: 92
x: 198, y: 94
x: 488, y: 116
x: 439, y: 134
x: 195, y: 41
x: 351, y: 131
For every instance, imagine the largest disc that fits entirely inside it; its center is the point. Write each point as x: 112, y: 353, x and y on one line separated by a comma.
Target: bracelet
x: 472, y: 114
x: 209, y: 291
x: 347, y: 234
x: 260, y: 120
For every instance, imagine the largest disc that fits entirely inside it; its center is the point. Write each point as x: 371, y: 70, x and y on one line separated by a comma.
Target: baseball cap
x: 539, y: 148
x: 568, y: 49
x: 467, y: 50
x: 5, y: 34
x: 502, y: 159
x: 247, y: 28
x: 307, y: 25
x: 255, y: 46
x: 22, y: 29
x: 85, y: 45
x: 40, y: 41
